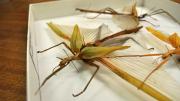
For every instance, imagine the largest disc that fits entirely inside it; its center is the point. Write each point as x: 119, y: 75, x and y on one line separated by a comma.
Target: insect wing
x: 93, y: 52
x: 131, y: 9
x: 77, y: 40
x: 58, y: 31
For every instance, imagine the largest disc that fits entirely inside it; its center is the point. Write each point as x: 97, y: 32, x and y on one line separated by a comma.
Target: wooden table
x: 13, y: 37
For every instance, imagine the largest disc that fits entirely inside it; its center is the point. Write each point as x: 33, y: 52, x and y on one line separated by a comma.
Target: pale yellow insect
x: 173, y: 40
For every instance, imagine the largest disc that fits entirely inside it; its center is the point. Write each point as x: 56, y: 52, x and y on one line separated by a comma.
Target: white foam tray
x: 106, y: 85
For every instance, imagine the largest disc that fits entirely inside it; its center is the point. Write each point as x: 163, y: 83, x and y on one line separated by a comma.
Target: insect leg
x: 62, y: 43
x: 48, y: 77
x: 106, y: 10
x: 149, y: 23
x: 160, y: 11
x: 97, y: 68
x: 162, y: 63
x: 110, y: 10
x: 139, y: 43
x: 100, y: 12
x: 62, y: 59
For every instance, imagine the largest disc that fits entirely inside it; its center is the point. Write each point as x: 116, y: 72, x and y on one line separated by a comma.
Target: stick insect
x: 129, y: 17
x: 87, y: 52
x: 173, y: 40
x: 91, y: 56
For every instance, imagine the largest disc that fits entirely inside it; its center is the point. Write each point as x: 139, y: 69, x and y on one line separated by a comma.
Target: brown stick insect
x: 91, y: 52
x: 129, y: 17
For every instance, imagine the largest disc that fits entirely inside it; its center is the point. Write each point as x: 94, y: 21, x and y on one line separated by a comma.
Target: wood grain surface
x: 178, y: 1
x: 13, y: 37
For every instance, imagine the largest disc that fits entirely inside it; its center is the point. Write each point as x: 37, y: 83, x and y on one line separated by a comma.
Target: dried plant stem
x: 134, y: 81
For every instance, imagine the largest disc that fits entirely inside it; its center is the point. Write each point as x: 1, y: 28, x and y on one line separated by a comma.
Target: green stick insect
x: 87, y: 52
x: 91, y: 52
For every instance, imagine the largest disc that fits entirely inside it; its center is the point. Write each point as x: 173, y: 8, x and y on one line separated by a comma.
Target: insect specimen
x: 173, y: 40
x: 129, y: 17
x: 81, y: 51
x: 89, y: 53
